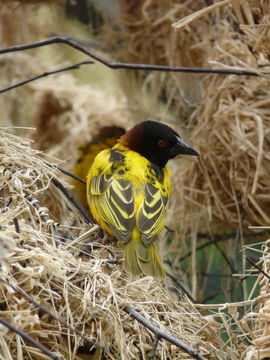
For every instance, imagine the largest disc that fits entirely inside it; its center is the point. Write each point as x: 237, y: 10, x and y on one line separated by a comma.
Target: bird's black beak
x: 183, y: 148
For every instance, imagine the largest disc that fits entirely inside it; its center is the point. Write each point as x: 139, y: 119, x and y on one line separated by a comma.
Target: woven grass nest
x: 82, y: 289
x: 85, y: 290
x: 230, y: 183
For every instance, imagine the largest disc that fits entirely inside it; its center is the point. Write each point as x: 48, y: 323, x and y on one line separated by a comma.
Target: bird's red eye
x: 161, y: 143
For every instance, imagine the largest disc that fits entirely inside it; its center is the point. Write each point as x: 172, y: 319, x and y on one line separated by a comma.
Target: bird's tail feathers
x: 139, y: 259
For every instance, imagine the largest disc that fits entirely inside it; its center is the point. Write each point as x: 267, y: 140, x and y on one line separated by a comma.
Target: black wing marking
x: 114, y: 200
x: 152, y: 214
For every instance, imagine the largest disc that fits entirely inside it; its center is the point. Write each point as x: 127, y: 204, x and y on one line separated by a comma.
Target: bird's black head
x: 157, y: 142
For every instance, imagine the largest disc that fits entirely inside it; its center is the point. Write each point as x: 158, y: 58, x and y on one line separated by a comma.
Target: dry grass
x: 230, y: 182
x: 26, y: 20
x: 22, y: 22
x: 226, y: 189
x: 78, y: 287
x: 142, y: 33
x: 67, y: 113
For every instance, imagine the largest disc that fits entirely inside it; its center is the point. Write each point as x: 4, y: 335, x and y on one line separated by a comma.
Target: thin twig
x: 47, y: 73
x: 16, y: 224
x: 41, y: 210
x: 232, y: 235
x: 47, y: 311
x: 66, y: 172
x: 162, y: 334
x: 169, y: 229
x: 257, y: 267
x: 153, y: 351
x: 73, y: 200
x: 215, y: 294
x: 221, y: 237
x: 216, y: 275
x: 72, y: 175
x: 83, y: 41
x: 122, y: 65
x: 28, y: 338
x: 112, y: 261
x: 180, y: 286
x: 225, y: 257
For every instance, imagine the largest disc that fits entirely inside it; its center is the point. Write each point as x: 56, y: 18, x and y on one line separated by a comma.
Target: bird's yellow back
x: 119, y: 178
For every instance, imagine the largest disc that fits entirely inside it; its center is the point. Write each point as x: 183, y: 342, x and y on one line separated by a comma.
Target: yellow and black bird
x: 105, y: 138
x: 128, y: 190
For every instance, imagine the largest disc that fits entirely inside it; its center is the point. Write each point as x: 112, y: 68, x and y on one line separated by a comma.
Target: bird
x: 128, y: 191
x: 104, y: 138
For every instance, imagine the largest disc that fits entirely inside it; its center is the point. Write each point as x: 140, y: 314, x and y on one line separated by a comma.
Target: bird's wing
x: 114, y: 200
x: 152, y: 213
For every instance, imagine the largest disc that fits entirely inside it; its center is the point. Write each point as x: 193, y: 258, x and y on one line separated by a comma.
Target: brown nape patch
x: 49, y: 130
x: 133, y: 139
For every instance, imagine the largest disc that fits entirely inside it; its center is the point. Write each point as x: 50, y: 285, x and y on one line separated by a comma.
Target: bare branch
x: 28, y: 338
x: 71, y: 175
x: 162, y: 334
x: 36, y: 204
x: 179, y: 285
x: 221, y: 237
x: 215, y: 294
x: 47, y: 73
x: 225, y: 257
x: 169, y: 229
x: 253, y: 263
x: 73, y: 200
x: 122, y: 65
x: 153, y: 351
x: 16, y: 224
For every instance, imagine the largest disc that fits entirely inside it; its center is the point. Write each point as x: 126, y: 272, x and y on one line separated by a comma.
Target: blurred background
x: 217, y: 199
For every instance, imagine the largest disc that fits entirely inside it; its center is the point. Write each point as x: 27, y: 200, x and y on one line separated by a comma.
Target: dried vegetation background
x: 226, y: 118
